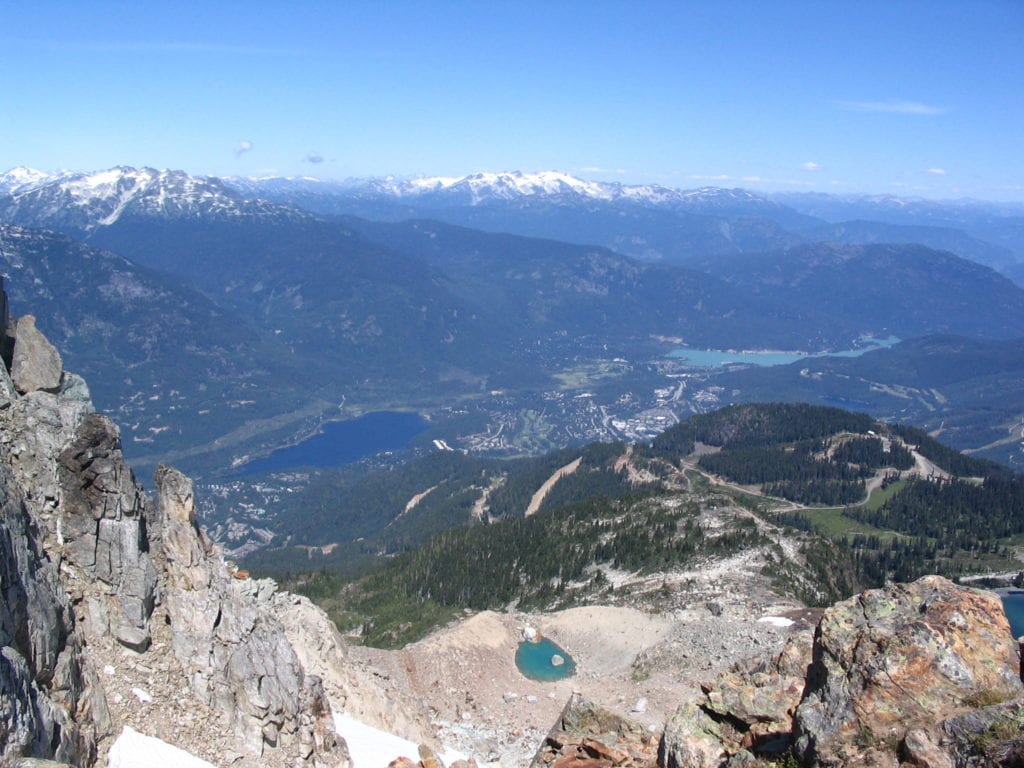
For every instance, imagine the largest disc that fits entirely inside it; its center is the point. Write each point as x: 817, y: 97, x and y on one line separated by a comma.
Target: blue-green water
x: 534, y: 661
x: 1013, y: 604
x: 716, y: 358
x: 343, y: 442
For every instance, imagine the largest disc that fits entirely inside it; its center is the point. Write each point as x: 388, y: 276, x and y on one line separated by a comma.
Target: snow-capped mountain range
x: 170, y: 187
x: 507, y: 186
x: 21, y: 179
x: 648, y: 221
x: 84, y: 201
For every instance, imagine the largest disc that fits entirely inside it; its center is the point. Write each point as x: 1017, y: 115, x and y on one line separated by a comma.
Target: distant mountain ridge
x: 657, y: 222
x: 649, y: 221
x: 429, y: 302
x: 82, y: 202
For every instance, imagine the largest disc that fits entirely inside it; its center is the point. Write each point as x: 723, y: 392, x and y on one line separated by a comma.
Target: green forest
x: 595, y: 519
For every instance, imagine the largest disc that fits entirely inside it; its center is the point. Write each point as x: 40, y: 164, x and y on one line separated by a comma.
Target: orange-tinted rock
x: 587, y: 736
x: 890, y: 676
x: 429, y: 758
x: 901, y: 658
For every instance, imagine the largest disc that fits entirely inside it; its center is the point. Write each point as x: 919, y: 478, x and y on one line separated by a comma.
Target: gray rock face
x: 36, y: 364
x: 236, y: 652
x: 85, y: 560
x: 103, y: 525
x: 34, y: 429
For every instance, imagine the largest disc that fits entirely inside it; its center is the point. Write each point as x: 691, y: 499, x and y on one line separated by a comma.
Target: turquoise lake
x: 1013, y: 604
x: 343, y: 442
x: 716, y: 358
x: 534, y: 661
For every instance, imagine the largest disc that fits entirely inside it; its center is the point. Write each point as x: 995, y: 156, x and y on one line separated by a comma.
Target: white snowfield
x: 369, y: 747
x: 135, y: 750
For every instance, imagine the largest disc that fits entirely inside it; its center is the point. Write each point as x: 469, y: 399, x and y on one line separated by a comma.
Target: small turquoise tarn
x: 539, y: 661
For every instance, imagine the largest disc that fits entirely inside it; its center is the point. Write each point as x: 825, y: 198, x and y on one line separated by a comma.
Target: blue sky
x: 914, y: 98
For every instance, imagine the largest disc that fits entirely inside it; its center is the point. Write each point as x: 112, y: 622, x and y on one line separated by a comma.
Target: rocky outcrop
x: 893, y: 660
x: 104, y: 530
x: 36, y: 363
x: 885, y: 679
x: 589, y: 736
x: 87, y: 561
x: 366, y: 683
x: 238, y: 657
x: 34, y: 429
x: 748, y: 710
x: 51, y: 703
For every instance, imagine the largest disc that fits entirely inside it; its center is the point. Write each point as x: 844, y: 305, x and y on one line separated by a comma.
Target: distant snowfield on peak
x: 123, y: 188
x: 22, y: 178
x: 509, y: 185
x: 100, y: 198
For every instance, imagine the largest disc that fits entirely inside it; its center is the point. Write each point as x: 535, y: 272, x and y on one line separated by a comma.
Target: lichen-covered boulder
x: 892, y: 660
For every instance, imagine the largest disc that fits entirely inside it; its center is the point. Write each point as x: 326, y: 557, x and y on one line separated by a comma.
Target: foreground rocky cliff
x: 116, y: 611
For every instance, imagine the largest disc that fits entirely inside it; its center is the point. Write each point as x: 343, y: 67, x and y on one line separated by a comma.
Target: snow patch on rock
x: 136, y: 750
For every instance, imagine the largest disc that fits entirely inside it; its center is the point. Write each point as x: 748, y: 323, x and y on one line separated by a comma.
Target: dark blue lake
x: 534, y: 661
x: 343, y: 442
x: 1013, y: 604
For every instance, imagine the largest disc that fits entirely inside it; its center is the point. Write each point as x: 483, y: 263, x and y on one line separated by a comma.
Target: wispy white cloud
x: 716, y: 177
x: 810, y: 165
x: 937, y: 171
x: 243, y: 146
x: 892, y: 107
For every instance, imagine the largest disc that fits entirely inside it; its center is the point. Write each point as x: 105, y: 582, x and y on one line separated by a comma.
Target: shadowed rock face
x: 43, y: 690
x: 104, y: 526
x: 887, y: 675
